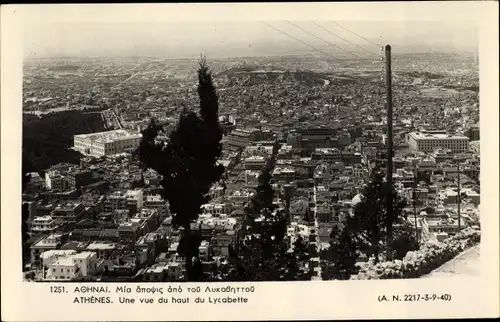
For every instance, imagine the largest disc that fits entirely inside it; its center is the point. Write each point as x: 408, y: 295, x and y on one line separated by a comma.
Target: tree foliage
x: 365, y: 231
x: 301, y: 250
x: 46, y: 140
x: 260, y: 257
x: 264, y: 193
x: 339, y: 260
x: 187, y: 161
x: 370, y: 215
x: 404, y: 240
x: 265, y: 254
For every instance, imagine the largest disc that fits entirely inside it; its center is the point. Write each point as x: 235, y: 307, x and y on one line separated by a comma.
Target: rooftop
x: 51, y: 241
x: 133, y: 193
x: 436, y: 135
x: 64, y: 261
x: 72, y: 245
x: 327, y: 150
x: 101, y: 246
x: 129, y: 226
x: 68, y: 206
x: 109, y: 136
x: 43, y: 218
x: 82, y: 255
x: 58, y: 252
x: 255, y: 158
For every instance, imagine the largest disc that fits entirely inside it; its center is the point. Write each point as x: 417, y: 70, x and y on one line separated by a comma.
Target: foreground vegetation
x: 47, y: 139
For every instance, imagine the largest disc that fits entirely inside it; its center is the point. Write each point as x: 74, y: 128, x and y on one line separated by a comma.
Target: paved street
x: 465, y: 264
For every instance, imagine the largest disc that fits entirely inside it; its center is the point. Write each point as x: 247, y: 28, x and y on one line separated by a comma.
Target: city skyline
x: 249, y: 38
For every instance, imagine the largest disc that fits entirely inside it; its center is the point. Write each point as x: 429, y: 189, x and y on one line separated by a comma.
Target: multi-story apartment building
x: 44, y: 224
x: 157, y: 202
x: 129, y: 232
x: 255, y: 163
x: 115, y: 200
x: 240, y: 138
x: 150, y: 219
x: 69, y: 212
x: 309, y: 139
x: 326, y: 154
x: 135, y: 198
x: 56, y: 181
x: 78, y: 178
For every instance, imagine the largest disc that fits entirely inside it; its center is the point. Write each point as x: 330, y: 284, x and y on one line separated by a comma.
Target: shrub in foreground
x: 418, y: 263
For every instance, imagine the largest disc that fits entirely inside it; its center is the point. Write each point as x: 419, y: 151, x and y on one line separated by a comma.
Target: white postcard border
x: 471, y: 297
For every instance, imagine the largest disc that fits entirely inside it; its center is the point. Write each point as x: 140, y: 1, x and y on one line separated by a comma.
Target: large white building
x: 429, y: 141
x: 72, y: 266
x: 135, y: 197
x: 106, y: 143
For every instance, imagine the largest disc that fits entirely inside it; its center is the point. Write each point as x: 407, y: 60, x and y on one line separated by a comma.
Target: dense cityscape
x: 303, y: 152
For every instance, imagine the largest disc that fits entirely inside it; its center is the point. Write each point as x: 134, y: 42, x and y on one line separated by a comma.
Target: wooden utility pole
x: 388, y: 79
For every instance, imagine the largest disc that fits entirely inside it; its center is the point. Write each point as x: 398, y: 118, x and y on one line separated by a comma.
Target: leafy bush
x: 418, y: 263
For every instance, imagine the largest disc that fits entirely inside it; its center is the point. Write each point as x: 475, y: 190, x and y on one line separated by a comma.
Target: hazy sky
x: 232, y: 38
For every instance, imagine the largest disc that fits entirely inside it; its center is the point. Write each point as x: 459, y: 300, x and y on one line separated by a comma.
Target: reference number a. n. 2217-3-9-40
x: 415, y: 298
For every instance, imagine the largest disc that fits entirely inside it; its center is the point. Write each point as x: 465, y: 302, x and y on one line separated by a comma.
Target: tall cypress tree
x: 370, y: 214
x: 187, y: 162
x: 264, y: 194
x: 265, y: 255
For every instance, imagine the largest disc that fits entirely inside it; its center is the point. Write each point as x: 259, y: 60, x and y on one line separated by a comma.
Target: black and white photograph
x: 192, y: 150
x: 250, y: 151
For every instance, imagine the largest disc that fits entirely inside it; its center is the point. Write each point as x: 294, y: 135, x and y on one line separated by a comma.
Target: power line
x: 333, y: 34
x: 303, y: 42
x: 371, y: 42
x: 329, y: 43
